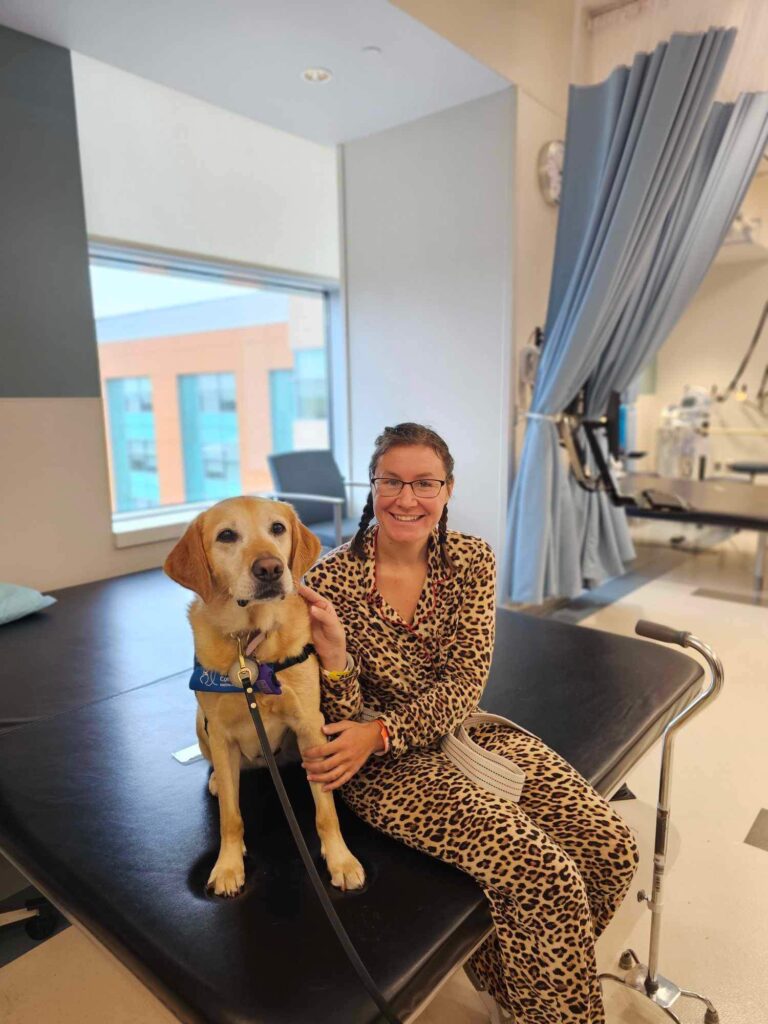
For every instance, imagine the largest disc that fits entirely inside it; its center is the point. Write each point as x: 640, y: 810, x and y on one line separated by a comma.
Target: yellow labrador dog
x: 243, y: 558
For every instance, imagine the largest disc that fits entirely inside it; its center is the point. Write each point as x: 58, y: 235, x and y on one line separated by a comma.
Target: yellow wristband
x: 344, y: 673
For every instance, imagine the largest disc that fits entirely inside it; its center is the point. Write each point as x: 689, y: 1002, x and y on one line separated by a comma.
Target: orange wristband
x: 384, y: 735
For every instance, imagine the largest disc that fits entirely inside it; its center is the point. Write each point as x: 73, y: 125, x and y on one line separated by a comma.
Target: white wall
x: 429, y: 215
x: 529, y: 42
x: 160, y: 169
x: 536, y: 227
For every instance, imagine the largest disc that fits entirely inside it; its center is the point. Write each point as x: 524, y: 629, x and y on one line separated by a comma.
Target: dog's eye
x: 277, y: 529
x: 227, y: 536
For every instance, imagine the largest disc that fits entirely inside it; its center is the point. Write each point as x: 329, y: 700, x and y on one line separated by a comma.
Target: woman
x: 403, y: 623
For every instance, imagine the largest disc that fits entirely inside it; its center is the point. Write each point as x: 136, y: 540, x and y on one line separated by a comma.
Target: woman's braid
x: 442, y: 539
x: 357, y: 546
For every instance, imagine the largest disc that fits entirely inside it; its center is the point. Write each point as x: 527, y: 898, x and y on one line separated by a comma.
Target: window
x: 142, y: 456
x: 133, y: 448
x: 299, y: 403
x: 210, y: 436
x: 205, y: 370
x: 216, y: 392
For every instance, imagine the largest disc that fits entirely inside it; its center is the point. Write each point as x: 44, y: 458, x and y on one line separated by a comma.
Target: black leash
x: 341, y: 932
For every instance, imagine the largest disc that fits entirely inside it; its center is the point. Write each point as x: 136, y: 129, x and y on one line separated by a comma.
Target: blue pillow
x: 16, y: 602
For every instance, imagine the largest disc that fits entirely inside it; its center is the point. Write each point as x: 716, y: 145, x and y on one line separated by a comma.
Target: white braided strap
x: 367, y: 715
x: 485, y: 768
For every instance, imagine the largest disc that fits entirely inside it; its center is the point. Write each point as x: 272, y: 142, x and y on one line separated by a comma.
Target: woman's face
x: 408, y: 517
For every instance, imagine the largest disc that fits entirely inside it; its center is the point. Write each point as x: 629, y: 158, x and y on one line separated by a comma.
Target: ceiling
x: 248, y: 57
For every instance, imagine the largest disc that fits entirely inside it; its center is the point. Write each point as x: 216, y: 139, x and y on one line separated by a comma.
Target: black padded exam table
x: 96, y: 813
x: 728, y: 503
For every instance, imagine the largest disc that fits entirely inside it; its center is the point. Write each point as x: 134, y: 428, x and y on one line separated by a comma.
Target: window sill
x: 153, y: 525
x: 129, y: 529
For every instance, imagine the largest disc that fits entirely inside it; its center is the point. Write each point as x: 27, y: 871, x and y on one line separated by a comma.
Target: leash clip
x: 244, y: 670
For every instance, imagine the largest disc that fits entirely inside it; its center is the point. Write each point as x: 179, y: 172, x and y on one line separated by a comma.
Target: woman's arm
x: 444, y: 706
x: 340, y: 695
x: 350, y: 743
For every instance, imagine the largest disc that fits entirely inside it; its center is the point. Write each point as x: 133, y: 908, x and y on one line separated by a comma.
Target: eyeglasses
x: 390, y: 487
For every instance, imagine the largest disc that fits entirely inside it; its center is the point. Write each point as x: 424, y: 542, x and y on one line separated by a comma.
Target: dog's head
x: 245, y: 549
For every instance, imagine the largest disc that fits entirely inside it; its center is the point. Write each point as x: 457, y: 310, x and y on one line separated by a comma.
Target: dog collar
x: 207, y: 681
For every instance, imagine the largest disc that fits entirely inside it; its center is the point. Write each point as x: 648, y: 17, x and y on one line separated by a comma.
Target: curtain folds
x: 630, y: 146
x: 733, y: 142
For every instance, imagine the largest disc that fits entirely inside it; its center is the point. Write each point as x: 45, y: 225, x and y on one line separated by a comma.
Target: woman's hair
x: 396, y: 437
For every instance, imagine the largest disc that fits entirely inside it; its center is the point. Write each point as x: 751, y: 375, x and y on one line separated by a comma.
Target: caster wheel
x: 42, y: 926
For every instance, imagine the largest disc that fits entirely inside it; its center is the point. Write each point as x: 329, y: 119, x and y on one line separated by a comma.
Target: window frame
x: 168, y: 522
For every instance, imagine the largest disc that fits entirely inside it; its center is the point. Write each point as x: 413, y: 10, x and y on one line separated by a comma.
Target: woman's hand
x: 336, y: 762
x: 328, y: 634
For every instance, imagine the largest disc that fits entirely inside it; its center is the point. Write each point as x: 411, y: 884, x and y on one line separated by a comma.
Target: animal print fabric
x: 555, y: 866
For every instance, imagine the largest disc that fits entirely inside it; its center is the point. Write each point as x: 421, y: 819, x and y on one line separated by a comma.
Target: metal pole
x: 337, y: 525
x: 655, y: 902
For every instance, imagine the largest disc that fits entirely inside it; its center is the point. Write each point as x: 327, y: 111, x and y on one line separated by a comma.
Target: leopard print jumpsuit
x: 554, y: 867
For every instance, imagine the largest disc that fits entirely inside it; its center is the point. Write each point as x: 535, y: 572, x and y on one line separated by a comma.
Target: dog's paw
x: 346, y: 872
x: 227, y: 878
x: 213, y: 786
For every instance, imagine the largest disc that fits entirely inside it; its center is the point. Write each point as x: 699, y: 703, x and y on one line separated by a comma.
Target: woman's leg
x: 540, y: 965
x: 573, y: 813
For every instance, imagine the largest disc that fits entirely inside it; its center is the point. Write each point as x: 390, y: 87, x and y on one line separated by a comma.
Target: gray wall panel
x: 47, y: 339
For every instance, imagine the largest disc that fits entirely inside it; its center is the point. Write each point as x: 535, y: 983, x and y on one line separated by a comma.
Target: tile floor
x: 715, y: 931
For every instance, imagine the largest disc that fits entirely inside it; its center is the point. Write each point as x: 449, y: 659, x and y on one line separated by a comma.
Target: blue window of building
x: 210, y: 439
x: 299, y: 394
x: 134, y: 450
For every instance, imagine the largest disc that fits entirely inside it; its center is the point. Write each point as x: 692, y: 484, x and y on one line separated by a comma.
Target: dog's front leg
x: 345, y: 869
x: 228, y: 875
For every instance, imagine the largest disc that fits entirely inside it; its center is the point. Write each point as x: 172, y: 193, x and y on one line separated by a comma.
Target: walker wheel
x: 41, y: 927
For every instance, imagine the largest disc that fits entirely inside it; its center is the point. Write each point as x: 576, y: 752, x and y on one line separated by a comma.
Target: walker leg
x: 711, y: 1016
x: 628, y: 958
x: 641, y: 978
x: 762, y: 539
x: 640, y: 990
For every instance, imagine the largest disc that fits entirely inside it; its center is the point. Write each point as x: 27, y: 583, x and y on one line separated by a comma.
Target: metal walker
x: 646, y: 979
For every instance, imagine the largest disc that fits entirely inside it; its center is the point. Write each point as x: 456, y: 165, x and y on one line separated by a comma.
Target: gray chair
x: 313, y: 484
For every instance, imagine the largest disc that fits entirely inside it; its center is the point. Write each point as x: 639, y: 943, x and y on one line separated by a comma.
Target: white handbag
x: 485, y: 768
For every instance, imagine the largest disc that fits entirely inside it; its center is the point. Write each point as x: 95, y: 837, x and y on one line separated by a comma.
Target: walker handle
x: 657, y: 631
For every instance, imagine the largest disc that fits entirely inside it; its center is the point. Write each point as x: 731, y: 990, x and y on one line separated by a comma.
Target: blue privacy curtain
x: 723, y: 166
x: 630, y: 142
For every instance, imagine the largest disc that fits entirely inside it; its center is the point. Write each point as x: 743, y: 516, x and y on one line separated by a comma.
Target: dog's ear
x: 187, y: 563
x: 305, y: 547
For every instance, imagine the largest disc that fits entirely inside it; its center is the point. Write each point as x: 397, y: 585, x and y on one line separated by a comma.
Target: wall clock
x: 550, y: 168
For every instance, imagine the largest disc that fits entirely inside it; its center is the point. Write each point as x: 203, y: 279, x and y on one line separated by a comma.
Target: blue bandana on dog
x: 208, y: 681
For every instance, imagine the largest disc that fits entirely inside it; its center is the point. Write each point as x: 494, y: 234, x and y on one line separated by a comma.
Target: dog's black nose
x: 267, y: 569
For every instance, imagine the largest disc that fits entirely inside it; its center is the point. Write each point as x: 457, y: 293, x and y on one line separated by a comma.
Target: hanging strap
x: 341, y: 932
x: 484, y: 767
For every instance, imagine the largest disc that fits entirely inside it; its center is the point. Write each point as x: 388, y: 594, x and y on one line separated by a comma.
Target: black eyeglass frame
x: 432, y: 479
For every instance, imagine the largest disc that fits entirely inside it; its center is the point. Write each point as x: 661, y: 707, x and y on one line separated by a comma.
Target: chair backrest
x: 311, y: 472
